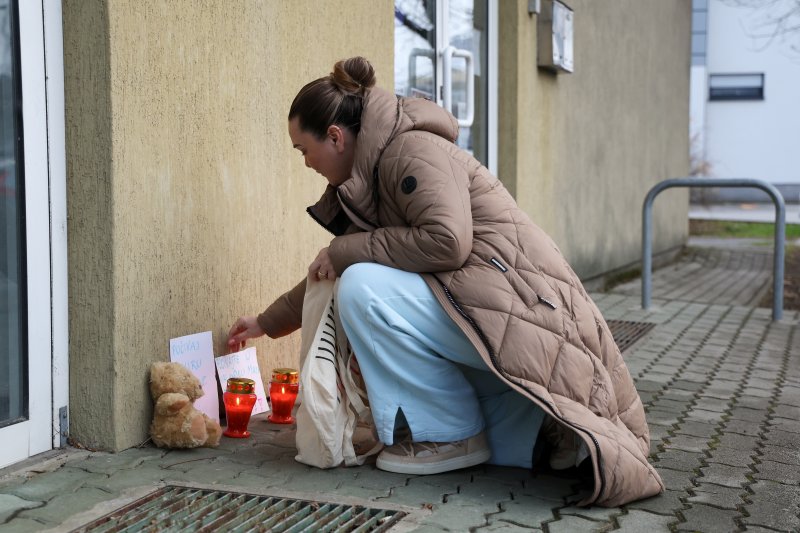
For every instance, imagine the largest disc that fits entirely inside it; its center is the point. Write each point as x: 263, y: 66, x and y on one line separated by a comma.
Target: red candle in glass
x: 282, y: 393
x: 239, y: 399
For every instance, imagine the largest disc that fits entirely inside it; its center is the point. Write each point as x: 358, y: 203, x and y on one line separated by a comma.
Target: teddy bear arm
x: 171, y: 403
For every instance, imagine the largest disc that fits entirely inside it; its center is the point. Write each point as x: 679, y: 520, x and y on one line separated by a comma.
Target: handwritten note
x: 243, y: 364
x: 196, y: 352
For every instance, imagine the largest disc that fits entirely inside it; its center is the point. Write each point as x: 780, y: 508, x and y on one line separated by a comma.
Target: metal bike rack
x: 780, y: 232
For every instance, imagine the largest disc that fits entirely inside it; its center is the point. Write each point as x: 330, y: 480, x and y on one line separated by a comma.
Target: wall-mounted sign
x: 555, y: 36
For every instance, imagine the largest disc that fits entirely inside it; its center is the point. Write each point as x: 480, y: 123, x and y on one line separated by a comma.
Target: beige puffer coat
x: 416, y: 202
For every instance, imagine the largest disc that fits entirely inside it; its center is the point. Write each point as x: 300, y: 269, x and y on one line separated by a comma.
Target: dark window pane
x: 699, y: 43
x: 699, y: 21
x: 736, y: 87
x: 13, y: 371
x: 414, y: 44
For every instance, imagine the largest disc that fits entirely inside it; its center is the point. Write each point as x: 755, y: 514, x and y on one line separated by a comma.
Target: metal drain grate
x: 190, y: 509
x: 626, y: 333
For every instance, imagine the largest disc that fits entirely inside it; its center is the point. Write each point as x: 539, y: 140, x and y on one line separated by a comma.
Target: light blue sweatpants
x: 415, y: 360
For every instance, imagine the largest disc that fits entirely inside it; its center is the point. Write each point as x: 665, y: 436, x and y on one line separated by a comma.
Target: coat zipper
x: 499, y: 369
x: 502, y: 268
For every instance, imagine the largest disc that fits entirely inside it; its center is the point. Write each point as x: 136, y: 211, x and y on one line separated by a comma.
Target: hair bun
x: 353, y: 75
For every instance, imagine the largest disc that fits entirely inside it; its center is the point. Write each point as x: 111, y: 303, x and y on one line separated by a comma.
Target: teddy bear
x: 176, y: 422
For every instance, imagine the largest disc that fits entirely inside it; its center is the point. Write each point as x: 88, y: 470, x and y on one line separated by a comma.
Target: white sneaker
x: 571, y: 452
x: 563, y: 458
x: 423, y: 458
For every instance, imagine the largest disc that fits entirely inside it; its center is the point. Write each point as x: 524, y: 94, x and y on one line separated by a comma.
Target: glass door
x: 13, y: 323
x: 445, y: 50
x: 33, y: 302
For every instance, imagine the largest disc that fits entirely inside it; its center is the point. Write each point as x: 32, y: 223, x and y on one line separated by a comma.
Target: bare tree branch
x: 772, y: 21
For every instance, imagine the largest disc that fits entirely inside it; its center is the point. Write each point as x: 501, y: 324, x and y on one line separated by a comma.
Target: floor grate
x: 626, y: 333
x: 189, y: 509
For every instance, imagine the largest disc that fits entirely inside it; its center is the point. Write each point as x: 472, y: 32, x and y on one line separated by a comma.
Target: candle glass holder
x: 283, y: 388
x: 239, y: 399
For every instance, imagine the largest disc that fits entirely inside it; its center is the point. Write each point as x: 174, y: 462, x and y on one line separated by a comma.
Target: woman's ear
x: 336, y: 135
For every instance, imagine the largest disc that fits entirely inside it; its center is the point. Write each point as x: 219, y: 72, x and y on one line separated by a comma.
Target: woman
x: 470, y: 328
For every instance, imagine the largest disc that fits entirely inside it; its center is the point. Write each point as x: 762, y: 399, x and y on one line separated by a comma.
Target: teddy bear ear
x: 156, y: 369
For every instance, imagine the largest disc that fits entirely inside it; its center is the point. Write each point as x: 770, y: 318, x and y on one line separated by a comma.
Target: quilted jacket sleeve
x: 285, y: 314
x: 426, y: 193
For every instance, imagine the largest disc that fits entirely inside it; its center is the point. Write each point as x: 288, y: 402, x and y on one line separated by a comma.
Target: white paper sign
x: 196, y: 352
x: 243, y: 364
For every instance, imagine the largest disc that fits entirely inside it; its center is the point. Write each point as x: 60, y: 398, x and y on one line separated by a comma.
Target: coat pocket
x: 525, y: 286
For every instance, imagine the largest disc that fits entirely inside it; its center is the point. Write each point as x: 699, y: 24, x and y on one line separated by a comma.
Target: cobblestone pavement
x: 720, y: 271
x: 720, y: 382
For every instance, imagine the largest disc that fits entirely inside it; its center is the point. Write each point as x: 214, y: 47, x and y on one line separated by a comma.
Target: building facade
x: 162, y: 196
x: 744, y: 85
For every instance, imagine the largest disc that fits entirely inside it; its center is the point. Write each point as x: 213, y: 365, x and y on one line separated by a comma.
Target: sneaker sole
x: 437, y: 467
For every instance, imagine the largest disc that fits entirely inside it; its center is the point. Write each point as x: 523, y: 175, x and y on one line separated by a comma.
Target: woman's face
x: 331, y: 156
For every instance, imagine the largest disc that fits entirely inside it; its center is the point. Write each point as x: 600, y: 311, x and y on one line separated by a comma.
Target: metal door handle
x: 447, y: 83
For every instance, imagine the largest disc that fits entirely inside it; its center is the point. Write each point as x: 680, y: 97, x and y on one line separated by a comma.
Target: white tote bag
x: 331, y: 402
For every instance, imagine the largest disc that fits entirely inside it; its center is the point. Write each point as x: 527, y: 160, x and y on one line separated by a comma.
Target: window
x: 736, y: 87
x: 699, y: 30
x: 13, y: 323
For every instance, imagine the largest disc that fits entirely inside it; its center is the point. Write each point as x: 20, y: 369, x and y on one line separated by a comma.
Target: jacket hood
x: 386, y: 116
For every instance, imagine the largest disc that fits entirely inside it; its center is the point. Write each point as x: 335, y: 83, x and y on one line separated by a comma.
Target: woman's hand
x: 322, y: 267
x: 246, y: 327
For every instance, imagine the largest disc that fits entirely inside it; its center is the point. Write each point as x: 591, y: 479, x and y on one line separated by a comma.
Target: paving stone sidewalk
x: 721, y: 386
x: 713, y: 270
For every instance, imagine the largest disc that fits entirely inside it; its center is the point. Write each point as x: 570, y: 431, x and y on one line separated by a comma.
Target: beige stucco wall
x: 581, y: 150
x: 186, y: 200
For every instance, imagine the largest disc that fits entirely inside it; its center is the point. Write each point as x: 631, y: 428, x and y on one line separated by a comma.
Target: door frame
x: 44, y: 182
x: 492, y: 67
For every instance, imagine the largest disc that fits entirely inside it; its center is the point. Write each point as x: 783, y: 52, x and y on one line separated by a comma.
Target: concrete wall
x: 186, y: 199
x: 581, y: 150
x: 89, y: 221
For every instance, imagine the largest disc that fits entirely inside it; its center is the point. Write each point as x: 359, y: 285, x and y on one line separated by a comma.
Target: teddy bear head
x: 176, y: 422
x: 173, y: 377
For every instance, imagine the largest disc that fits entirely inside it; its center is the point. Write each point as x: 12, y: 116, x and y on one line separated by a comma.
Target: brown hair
x: 337, y: 98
